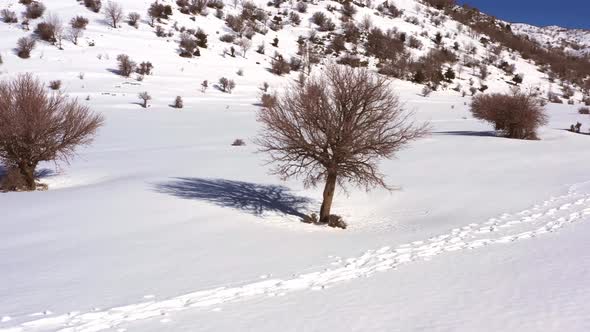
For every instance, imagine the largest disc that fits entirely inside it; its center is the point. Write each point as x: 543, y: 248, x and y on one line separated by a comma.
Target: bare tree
x: 145, y: 97
x: 74, y: 34
x: 113, y: 13
x: 36, y: 126
x: 245, y: 45
x: 52, y: 30
x: 335, y: 128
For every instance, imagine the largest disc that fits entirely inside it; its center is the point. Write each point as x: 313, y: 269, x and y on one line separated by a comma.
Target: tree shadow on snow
x: 252, y: 198
x: 467, y: 133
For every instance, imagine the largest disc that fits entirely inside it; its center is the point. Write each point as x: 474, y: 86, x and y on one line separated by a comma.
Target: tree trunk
x: 28, y: 174
x: 328, y: 197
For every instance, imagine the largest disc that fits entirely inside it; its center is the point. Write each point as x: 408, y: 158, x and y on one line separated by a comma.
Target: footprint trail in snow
x: 546, y: 217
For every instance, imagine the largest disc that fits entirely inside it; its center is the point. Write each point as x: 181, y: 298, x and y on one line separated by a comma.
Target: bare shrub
x: 187, y: 45
x: 133, y: 19
x: 79, y: 22
x: 335, y: 128
x: 24, y: 46
x: 145, y: 68
x: 126, y: 65
x: 238, y: 142
x: 584, y: 110
x: 113, y: 13
x: 348, y: 10
x: 93, y: 5
x: 46, y: 32
x: 294, y: 18
x: 201, y: 38
x: 144, y: 97
x: 267, y: 100
x: 324, y: 22
x: 34, y: 10
x: 178, y: 103
x: 441, y: 4
x: 554, y: 98
x: 55, y: 85
x: 8, y: 16
x: 228, y: 38
x: 226, y: 85
x: 36, y: 126
x: 576, y: 128
x: 336, y: 221
x: 51, y: 30
x: 515, y: 115
x: 158, y: 11
x: 236, y: 23
x: 280, y: 66
x: 301, y: 7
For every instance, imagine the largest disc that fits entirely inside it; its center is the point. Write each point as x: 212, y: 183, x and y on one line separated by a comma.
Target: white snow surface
x: 162, y: 225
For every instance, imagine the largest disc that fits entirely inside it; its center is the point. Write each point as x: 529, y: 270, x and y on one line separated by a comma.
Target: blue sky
x: 566, y: 13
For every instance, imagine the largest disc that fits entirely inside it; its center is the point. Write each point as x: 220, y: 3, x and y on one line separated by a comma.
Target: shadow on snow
x: 252, y: 198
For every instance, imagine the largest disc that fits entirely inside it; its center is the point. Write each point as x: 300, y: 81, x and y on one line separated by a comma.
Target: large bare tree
x: 335, y: 128
x: 36, y: 126
x: 113, y: 13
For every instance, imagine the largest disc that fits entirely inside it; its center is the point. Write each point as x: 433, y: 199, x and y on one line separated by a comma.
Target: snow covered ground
x: 164, y: 221
x: 162, y: 225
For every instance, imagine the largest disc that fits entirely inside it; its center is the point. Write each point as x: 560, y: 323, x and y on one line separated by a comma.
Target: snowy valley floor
x: 161, y: 225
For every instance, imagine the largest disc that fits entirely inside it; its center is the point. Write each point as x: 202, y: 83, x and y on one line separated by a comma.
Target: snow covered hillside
x: 574, y: 41
x: 162, y: 225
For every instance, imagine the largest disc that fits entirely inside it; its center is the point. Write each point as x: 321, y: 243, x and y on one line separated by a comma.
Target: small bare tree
x: 244, y: 45
x: 74, y: 34
x: 145, y: 97
x: 113, y: 13
x: 58, y: 28
x: 335, y: 128
x: 36, y: 126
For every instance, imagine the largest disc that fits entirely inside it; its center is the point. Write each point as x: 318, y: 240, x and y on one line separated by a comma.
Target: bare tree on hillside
x: 114, y: 13
x: 335, y: 128
x: 36, y: 126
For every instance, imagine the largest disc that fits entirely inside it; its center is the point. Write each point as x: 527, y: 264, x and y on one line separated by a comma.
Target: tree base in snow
x: 333, y: 220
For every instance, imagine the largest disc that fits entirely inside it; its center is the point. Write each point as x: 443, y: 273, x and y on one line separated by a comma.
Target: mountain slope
x: 573, y: 41
x: 415, y: 40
